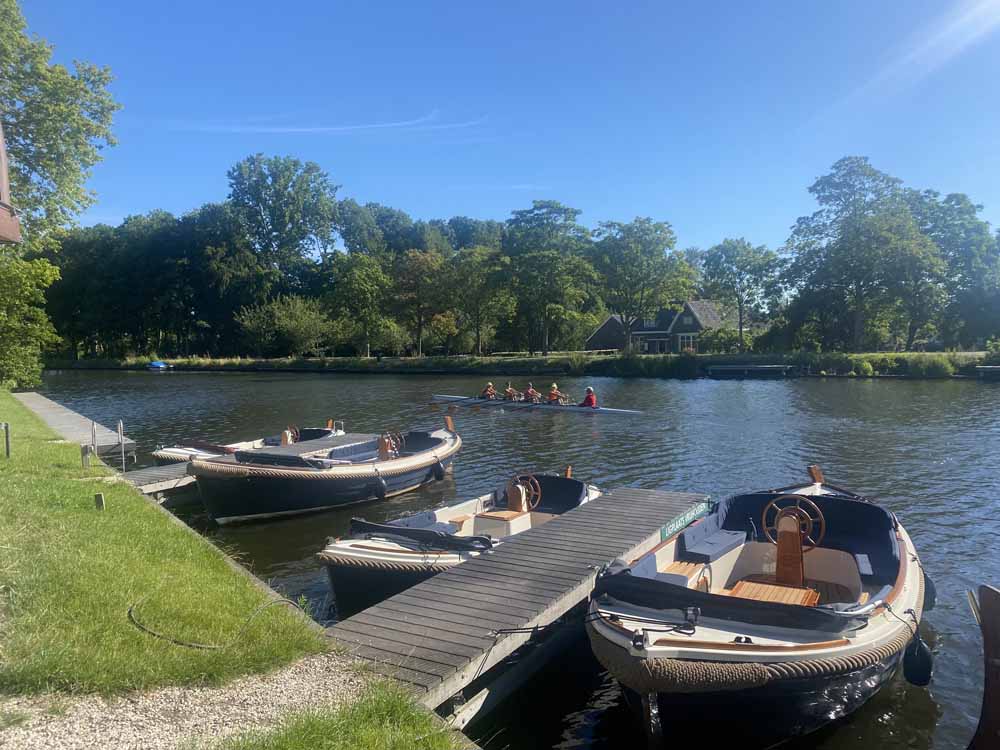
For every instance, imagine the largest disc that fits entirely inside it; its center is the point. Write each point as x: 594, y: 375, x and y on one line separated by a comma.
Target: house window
x: 688, y: 320
x: 687, y: 341
x: 648, y: 323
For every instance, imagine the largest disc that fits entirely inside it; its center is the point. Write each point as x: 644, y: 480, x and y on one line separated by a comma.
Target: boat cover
x: 662, y: 595
x: 438, y: 537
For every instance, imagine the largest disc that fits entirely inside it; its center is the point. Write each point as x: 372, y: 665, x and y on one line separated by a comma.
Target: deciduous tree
x: 737, y: 273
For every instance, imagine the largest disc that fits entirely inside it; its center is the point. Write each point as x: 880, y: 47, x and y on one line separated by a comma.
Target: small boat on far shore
x: 159, y: 366
x: 476, y: 402
x: 190, y: 449
x: 377, y: 560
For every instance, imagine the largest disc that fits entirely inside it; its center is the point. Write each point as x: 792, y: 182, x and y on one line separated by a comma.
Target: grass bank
x: 385, y: 718
x: 69, y: 573
x: 912, y: 365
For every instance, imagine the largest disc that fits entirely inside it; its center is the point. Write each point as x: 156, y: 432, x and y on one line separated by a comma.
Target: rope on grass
x: 204, y: 646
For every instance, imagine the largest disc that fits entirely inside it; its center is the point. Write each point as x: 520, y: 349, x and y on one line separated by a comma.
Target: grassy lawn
x: 69, y: 573
x: 385, y: 718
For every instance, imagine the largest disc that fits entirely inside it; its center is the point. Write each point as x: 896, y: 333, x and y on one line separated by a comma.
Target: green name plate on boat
x: 691, y: 514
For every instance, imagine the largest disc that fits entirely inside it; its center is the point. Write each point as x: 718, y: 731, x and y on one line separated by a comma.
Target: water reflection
x: 927, y: 450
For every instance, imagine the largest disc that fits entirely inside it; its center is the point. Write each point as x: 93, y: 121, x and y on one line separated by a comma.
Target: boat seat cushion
x: 711, y: 548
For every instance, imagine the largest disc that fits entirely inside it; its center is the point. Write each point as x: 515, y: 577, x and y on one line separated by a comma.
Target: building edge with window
x: 670, y: 332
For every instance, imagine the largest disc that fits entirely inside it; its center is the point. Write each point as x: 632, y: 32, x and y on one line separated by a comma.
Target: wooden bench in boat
x: 771, y: 592
x: 828, y: 592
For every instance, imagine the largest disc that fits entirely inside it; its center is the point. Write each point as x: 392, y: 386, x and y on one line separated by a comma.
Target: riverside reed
x: 68, y: 574
x: 908, y: 364
x: 384, y: 718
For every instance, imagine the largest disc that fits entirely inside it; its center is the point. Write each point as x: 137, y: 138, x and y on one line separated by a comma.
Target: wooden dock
x: 988, y: 372
x: 157, y: 480
x: 76, y: 428
x: 752, y: 371
x: 440, y: 635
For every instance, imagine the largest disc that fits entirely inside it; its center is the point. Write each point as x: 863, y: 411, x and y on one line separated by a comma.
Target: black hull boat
x: 777, y: 613
x: 376, y: 561
x: 322, y: 474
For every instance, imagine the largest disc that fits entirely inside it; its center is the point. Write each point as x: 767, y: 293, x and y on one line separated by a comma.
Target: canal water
x: 928, y: 450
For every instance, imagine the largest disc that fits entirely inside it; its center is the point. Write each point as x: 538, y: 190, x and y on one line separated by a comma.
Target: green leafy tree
x: 419, y: 290
x: 465, y: 233
x: 288, y: 325
x: 547, y: 225
x: 481, y: 280
x: 24, y: 328
x: 56, y: 121
x: 841, y: 247
x: 739, y: 274
x: 359, y: 291
x: 550, y: 285
x: 288, y: 209
x: 639, y: 274
x: 358, y: 229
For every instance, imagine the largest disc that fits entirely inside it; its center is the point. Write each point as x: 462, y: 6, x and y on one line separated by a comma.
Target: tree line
x: 283, y: 266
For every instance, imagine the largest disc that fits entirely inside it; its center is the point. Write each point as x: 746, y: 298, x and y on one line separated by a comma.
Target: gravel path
x: 167, y: 718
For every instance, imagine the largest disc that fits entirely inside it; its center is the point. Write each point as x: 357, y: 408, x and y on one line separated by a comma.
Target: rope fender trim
x: 664, y: 675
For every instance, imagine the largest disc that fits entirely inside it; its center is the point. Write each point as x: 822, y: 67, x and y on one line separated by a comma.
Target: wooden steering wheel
x: 534, y: 489
x: 398, y: 441
x: 809, y: 516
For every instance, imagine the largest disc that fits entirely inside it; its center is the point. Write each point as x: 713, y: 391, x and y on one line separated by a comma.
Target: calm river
x: 930, y: 451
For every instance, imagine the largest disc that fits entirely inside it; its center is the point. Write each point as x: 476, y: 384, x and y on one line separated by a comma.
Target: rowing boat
x: 486, y: 403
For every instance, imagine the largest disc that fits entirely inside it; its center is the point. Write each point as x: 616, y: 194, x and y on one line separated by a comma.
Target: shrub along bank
x: 913, y: 365
x: 69, y: 573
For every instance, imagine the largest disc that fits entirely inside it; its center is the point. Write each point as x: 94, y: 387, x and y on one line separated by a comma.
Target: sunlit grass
x: 69, y: 573
x: 384, y: 718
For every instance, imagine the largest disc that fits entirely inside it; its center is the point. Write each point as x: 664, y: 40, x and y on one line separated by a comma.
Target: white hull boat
x: 377, y: 560
x: 776, y: 613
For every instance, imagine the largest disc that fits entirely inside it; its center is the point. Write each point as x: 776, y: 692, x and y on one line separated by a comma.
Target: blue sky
x: 715, y: 117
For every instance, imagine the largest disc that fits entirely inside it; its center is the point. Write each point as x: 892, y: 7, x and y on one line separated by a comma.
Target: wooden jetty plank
x: 505, y: 617
x: 520, y: 590
x: 153, y: 479
x: 487, y: 584
x: 502, y: 576
x: 494, y: 602
x: 412, y: 646
x: 465, y: 623
x: 421, y: 629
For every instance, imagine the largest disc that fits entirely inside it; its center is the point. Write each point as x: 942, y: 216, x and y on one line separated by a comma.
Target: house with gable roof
x: 670, y: 332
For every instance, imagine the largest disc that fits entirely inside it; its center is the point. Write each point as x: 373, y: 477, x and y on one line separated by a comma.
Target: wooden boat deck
x: 442, y: 634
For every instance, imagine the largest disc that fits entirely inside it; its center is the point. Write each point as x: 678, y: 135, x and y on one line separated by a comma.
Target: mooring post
x: 6, y: 438
x: 121, y: 442
x: 85, y: 456
x: 99, y: 501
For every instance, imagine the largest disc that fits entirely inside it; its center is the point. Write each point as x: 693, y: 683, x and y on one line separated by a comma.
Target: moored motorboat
x: 190, y: 449
x: 776, y: 613
x: 158, y: 366
x: 322, y: 474
x: 377, y: 560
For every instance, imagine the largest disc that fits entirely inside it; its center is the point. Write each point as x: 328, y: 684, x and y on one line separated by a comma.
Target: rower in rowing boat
x: 532, y: 395
x: 511, y: 394
x: 488, y: 392
x: 590, y: 399
x: 556, y: 396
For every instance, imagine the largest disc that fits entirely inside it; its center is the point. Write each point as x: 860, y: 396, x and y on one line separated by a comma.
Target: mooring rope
x: 204, y: 646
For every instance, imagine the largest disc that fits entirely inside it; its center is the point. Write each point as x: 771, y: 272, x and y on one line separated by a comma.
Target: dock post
x: 121, y: 442
x: 85, y: 456
x: 6, y: 438
x: 99, y: 501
